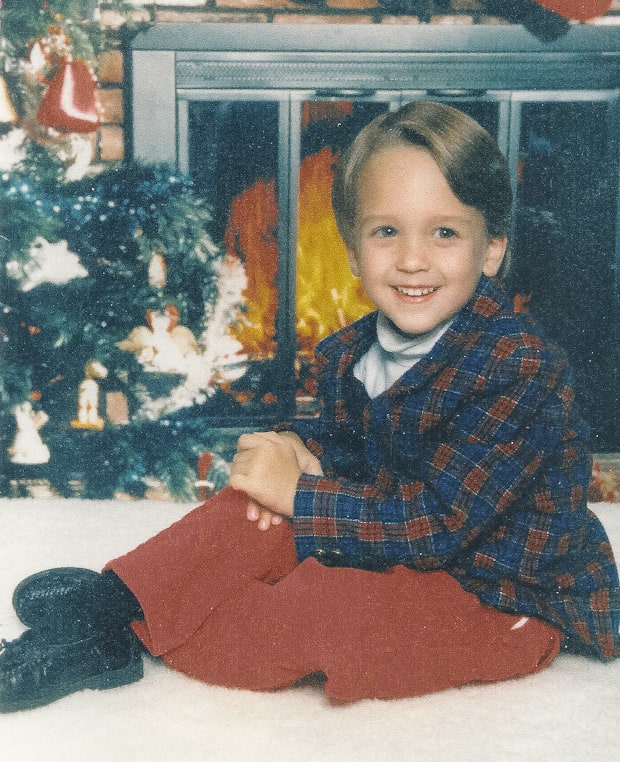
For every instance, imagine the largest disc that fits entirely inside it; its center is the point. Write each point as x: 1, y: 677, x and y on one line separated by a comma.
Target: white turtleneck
x: 392, y: 354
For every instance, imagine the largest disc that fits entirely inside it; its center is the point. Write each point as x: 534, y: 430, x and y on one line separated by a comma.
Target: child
x: 430, y: 529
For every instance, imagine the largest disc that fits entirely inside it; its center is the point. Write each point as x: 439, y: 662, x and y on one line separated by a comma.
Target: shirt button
x: 331, y: 557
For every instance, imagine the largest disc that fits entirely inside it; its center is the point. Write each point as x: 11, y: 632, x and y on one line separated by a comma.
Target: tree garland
x: 104, y: 234
x: 115, y: 303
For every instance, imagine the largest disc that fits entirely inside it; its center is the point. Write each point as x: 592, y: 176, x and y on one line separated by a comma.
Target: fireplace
x: 258, y: 114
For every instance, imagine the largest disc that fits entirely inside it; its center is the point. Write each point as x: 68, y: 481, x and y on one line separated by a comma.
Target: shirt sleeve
x: 496, y: 441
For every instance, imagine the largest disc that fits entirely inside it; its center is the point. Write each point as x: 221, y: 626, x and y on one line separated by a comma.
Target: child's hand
x: 308, y: 463
x: 263, y: 516
x: 267, y: 469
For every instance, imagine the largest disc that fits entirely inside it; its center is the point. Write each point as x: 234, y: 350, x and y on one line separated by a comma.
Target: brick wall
x: 110, y: 71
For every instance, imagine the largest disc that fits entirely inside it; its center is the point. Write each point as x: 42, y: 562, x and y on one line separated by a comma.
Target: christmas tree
x: 115, y: 302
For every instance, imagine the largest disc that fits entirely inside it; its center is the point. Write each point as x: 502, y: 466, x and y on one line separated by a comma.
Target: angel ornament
x: 164, y: 346
x: 28, y: 448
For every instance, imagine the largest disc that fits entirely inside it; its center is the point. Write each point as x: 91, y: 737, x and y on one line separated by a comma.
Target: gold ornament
x: 157, y: 270
x: 88, y: 398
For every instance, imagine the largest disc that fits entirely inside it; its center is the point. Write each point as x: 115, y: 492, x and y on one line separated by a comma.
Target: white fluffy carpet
x: 569, y: 712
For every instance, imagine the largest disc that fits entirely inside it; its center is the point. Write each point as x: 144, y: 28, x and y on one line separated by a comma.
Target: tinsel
x: 113, y: 223
x: 24, y: 21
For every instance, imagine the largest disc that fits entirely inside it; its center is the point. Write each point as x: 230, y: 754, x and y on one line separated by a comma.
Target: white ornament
x: 37, y: 58
x: 157, y: 271
x: 163, y: 347
x: 12, y: 150
x: 28, y: 448
x: 49, y: 263
x: 88, y: 398
x: 219, y: 358
x: 77, y: 153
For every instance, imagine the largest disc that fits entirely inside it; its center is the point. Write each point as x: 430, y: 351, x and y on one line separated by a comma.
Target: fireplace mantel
x: 373, y: 38
x: 355, y: 59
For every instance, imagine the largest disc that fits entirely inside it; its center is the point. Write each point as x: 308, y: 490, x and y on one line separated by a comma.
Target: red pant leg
x: 374, y: 635
x: 252, y: 641
x: 406, y: 633
x: 182, y: 574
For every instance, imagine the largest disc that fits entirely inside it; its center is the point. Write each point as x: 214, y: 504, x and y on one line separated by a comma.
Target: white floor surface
x: 569, y: 712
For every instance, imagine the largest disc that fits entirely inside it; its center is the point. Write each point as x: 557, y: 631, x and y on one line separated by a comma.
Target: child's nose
x: 412, y: 255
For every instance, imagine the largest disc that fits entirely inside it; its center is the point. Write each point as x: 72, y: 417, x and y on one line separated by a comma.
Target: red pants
x: 229, y: 604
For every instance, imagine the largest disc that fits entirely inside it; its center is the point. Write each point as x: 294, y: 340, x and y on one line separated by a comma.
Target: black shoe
x: 52, y: 600
x: 34, y: 671
x: 73, y: 603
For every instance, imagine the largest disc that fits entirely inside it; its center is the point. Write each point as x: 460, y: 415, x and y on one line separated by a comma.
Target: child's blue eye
x: 445, y: 233
x: 385, y: 231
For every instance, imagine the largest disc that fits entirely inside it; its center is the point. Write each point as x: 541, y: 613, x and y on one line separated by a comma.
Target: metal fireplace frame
x: 169, y: 59
x: 171, y: 64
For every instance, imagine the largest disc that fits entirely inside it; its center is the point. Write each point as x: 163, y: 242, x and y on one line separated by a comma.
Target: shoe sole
x: 131, y: 673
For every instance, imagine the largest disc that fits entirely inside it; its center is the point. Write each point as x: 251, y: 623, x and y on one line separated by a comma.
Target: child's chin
x: 413, y: 328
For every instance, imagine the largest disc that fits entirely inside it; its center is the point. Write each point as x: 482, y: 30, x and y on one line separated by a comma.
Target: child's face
x: 418, y: 250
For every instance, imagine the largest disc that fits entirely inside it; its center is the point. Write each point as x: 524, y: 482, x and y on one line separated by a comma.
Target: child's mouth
x: 415, y: 291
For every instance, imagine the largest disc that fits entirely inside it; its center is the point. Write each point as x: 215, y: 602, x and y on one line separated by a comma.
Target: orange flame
x: 328, y: 296
x: 251, y: 236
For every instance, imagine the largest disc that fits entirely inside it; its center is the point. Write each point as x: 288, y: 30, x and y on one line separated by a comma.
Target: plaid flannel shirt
x: 474, y: 463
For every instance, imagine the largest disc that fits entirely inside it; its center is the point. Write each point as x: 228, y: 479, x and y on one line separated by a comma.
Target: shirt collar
x: 405, y: 349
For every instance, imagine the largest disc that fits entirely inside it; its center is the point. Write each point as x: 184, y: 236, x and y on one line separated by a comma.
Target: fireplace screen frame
x: 175, y: 64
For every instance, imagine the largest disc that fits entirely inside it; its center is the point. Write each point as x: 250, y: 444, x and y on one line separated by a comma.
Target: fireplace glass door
x: 233, y: 152
x: 564, y: 241
x: 265, y: 161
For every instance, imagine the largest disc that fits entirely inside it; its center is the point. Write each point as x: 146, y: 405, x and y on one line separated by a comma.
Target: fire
x: 251, y: 236
x: 328, y: 296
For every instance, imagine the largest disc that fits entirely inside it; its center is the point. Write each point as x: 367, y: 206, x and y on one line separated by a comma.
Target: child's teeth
x: 416, y: 291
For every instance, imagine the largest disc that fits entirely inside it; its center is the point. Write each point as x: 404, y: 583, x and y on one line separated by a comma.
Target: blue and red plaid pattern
x: 473, y: 462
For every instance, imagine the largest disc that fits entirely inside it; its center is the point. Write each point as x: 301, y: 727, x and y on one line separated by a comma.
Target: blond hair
x: 468, y: 157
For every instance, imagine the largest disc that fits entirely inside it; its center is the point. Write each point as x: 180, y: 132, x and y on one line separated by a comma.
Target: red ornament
x: 205, y: 486
x: 70, y: 102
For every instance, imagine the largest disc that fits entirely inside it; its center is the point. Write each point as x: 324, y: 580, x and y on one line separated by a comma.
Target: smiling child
x: 429, y: 529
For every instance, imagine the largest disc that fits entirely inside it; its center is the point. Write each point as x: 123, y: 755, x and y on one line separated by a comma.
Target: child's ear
x: 496, y: 248
x: 353, y: 262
